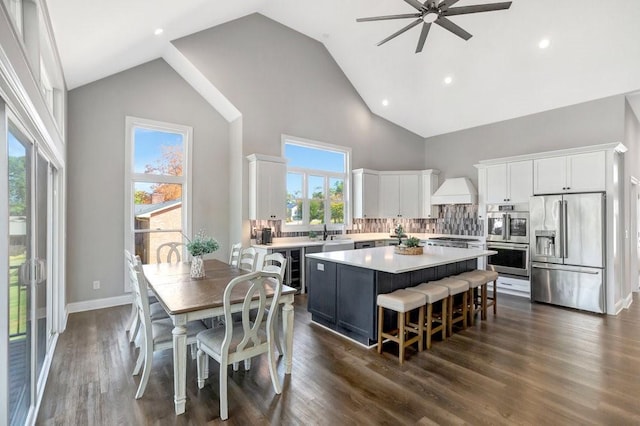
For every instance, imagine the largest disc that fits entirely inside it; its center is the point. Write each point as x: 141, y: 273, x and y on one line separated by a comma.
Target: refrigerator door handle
x: 560, y: 246
x: 557, y: 268
x: 565, y: 234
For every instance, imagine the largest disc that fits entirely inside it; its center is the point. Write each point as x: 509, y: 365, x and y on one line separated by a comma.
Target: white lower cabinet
x: 512, y: 286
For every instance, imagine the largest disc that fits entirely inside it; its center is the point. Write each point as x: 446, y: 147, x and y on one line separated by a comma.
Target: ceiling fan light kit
x: 436, y: 12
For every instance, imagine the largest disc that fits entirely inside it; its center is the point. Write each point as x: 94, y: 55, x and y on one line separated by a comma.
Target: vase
x: 197, y: 267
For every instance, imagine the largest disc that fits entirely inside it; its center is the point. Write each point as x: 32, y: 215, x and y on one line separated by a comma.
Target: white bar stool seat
x: 433, y: 294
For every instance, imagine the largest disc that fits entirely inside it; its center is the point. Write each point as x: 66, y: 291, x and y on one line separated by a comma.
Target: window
x: 317, y: 184
x: 157, y: 185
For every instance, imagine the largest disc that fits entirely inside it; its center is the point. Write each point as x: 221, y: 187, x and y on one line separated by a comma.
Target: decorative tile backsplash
x: 459, y: 219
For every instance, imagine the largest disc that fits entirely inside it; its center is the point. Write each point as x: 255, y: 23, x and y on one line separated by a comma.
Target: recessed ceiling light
x: 385, y: 102
x: 158, y: 31
x: 544, y: 43
x: 448, y: 80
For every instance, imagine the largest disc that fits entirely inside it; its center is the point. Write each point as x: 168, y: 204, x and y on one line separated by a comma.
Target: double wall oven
x: 508, y: 235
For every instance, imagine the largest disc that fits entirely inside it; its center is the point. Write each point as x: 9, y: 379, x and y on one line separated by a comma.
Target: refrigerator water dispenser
x: 545, y: 243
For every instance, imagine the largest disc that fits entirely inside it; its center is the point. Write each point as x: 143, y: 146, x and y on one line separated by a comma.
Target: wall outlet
x: 96, y: 285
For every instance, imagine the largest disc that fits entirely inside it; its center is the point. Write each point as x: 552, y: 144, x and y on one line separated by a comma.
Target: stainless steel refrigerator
x: 568, y: 250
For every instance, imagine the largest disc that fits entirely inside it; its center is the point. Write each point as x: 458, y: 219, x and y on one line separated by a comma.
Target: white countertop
x: 295, y: 242
x: 386, y: 260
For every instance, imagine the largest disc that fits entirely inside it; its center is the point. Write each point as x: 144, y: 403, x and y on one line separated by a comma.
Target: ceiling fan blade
x: 382, y: 18
x: 447, y: 4
x: 448, y: 25
x: 477, y: 8
x: 397, y: 33
x: 415, y: 3
x: 423, y: 36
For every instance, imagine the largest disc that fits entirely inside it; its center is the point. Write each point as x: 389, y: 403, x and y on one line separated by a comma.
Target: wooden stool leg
x: 380, y: 322
x: 483, y: 301
x: 421, y: 328
x: 495, y: 297
x: 444, y: 318
x: 465, y: 310
x: 401, y: 331
x: 450, y: 315
x: 429, y: 319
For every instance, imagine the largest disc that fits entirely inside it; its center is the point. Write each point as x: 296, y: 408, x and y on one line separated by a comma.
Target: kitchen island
x: 343, y: 285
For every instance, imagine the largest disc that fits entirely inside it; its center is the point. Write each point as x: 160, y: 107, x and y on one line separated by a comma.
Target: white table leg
x: 180, y: 363
x: 287, y: 319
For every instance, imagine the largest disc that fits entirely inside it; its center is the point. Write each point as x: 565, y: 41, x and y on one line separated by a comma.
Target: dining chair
x: 248, y: 259
x: 277, y: 263
x: 157, y: 335
x: 239, y: 341
x: 234, y: 257
x: 156, y: 310
x: 172, y: 249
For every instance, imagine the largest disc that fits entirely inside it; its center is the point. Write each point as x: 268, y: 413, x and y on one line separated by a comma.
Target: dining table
x: 187, y: 299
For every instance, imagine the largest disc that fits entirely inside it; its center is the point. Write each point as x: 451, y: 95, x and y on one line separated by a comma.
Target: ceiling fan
x: 433, y: 12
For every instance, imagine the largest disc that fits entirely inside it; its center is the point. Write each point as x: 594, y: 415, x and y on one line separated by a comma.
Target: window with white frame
x: 157, y: 185
x: 317, y: 184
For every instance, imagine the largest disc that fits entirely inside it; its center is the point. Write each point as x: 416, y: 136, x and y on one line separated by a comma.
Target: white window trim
x: 130, y: 177
x: 347, y: 182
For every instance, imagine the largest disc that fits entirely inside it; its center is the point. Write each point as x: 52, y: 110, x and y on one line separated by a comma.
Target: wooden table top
x: 179, y: 293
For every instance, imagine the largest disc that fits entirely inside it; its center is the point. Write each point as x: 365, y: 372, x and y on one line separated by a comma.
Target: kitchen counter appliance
x: 568, y: 250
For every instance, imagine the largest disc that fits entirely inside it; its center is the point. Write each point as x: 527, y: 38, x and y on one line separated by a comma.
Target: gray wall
x: 96, y: 142
x: 591, y: 123
x: 632, y: 169
x: 285, y: 82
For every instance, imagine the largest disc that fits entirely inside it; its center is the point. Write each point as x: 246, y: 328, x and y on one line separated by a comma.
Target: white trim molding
x: 90, y: 305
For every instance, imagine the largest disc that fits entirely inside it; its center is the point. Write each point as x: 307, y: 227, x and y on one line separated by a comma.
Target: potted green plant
x: 410, y: 246
x: 200, y: 245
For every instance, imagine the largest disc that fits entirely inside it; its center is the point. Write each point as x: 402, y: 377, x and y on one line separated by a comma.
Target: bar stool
x: 434, y: 293
x: 402, y: 302
x: 455, y: 287
x: 477, y: 299
x: 491, y: 301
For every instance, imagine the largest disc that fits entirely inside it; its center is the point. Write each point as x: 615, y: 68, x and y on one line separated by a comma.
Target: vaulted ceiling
x: 500, y: 73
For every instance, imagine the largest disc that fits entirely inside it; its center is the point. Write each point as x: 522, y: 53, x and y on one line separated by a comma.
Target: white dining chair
x: 239, y: 341
x: 156, y: 311
x: 277, y: 263
x: 234, y: 256
x: 167, y: 251
x: 248, y: 259
x: 157, y: 335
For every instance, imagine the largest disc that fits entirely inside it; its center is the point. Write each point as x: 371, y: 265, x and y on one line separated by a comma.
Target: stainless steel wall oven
x: 508, y: 234
x: 511, y: 259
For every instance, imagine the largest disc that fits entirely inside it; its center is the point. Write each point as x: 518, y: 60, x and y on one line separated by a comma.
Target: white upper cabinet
x: 400, y: 195
x: 571, y: 173
x: 509, y: 182
x: 366, y: 186
x: 429, y: 186
x: 267, y: 187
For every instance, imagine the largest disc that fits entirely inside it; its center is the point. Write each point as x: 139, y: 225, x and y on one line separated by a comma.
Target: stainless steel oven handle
x: 504, y: 226
x: 519, y: 247
x: 508, y: 226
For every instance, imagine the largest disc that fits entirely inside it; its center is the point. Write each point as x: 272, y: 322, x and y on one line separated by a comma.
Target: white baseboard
x: 90, y: 305
x: 627, y: 301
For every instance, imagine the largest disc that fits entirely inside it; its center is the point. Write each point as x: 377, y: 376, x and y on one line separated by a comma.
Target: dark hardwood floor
x: 532, y: 364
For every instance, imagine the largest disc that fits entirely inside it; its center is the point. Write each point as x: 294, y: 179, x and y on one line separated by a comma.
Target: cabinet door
x: 389, y: 196
x: 497, y: 184
x: 520, y: 179
x: 271, y: 196
x: 549, y: 175
x: 322, y: 289
x: 409, y: 190
x: 586, y: 172
x: 365, y: 195
x: 429, y: 186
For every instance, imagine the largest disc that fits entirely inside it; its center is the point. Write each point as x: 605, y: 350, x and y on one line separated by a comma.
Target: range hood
x: 455, y: 191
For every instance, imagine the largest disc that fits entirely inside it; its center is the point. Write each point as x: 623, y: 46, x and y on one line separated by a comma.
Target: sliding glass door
x: 19, y: 151
x: 27, y: 213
